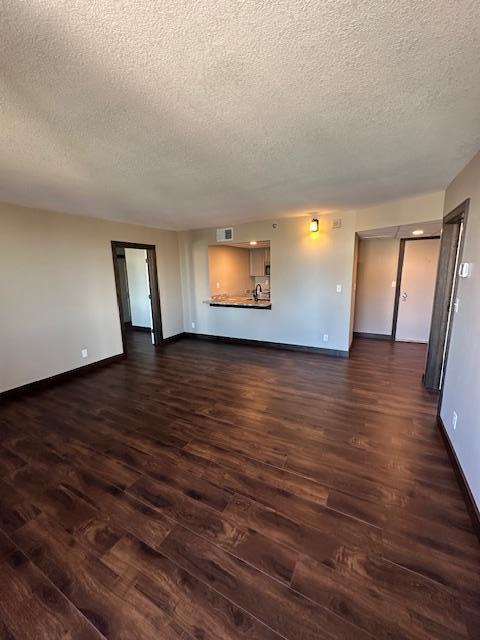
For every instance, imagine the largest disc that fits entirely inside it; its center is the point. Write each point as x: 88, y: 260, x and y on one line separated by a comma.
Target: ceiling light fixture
x: 417, y: 232
x: 314, y: 225
x: 253, y: 242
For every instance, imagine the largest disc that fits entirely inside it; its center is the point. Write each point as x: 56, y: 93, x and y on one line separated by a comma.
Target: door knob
x: 404, y: 296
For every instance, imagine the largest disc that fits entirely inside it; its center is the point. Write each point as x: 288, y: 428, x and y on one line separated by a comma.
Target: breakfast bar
x: 243, y: 302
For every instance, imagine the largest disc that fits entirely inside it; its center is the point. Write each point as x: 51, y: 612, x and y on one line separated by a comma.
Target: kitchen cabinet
x: 258, y: 259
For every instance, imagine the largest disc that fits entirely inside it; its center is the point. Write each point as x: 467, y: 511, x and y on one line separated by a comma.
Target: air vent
x: 337, y: 223
x: 224, y: 235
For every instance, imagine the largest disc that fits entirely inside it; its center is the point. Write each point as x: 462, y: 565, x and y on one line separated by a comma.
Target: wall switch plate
x: 325, y: 337
x: 339, y: 288
x: 454, y: 420
x: 394, y: 284
x: 464, y: 271
x: 193, y: 325
x: 218, y: 285
x: 456, y: 305
x: 84, y: 353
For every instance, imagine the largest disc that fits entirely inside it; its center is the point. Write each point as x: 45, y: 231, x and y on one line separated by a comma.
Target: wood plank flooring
x: 214, y: 491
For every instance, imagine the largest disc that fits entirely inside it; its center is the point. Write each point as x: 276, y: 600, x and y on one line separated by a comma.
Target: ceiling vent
x: 337, y: 223
x: 225, y: 235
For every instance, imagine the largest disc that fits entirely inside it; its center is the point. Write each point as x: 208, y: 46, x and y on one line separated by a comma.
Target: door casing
x: 154, y: 290
x: 451, y: 252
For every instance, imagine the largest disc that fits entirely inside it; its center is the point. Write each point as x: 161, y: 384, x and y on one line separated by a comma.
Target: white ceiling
x: 430, y: 228
x: 185, y: 114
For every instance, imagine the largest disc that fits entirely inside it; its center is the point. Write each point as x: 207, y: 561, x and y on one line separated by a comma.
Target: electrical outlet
x: 84, y: 353
x: 339, y: 288
x: 325, y: 337
x: 454, y: 420
x: 193, y: 325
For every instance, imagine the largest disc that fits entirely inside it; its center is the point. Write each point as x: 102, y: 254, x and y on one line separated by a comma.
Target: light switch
x: 394, y: 284
x: 84, y: 353
x: 339, y: 288
x: 464, y: 270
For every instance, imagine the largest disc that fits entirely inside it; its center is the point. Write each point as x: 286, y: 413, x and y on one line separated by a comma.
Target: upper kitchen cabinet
x: 259, y: 258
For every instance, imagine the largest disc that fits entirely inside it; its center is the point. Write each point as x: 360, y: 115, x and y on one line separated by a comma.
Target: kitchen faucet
x: 256, y: 292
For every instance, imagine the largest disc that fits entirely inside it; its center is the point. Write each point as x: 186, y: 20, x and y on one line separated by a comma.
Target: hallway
x: 210, y: 490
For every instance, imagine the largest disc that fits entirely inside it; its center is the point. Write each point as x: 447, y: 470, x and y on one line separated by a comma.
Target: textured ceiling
x: 188, y: 113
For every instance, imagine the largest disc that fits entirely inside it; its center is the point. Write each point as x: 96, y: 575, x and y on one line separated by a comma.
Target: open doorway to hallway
x: 406, y: 286
x: 395, y: 284
x: 137, y: 290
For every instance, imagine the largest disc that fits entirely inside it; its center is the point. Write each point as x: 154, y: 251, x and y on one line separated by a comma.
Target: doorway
x: 451, y: 250
x: 384, y: 255
x: 417, y: 271
x: 136, y: 281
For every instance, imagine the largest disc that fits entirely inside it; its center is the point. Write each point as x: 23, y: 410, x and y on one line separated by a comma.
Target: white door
x: 417, y: 289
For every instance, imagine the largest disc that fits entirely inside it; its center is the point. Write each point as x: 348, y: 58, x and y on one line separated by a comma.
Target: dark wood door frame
x: 122, y: 265
x: 401, y: 257
x: 451, y: 251
x: 154, y: 290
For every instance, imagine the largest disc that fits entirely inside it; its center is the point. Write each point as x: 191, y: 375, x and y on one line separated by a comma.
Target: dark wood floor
x: 221, y: 491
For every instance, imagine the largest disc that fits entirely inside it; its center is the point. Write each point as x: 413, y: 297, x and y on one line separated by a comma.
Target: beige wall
x: 377, y: 270
x: 305, y: 271
x: 461, y: 391
x: 229, y: 267
x: 58, y: 296
x: 57, y: 290
x: 422, y: 208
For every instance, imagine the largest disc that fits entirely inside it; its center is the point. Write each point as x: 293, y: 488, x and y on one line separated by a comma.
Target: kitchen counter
x: 242, y: 302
